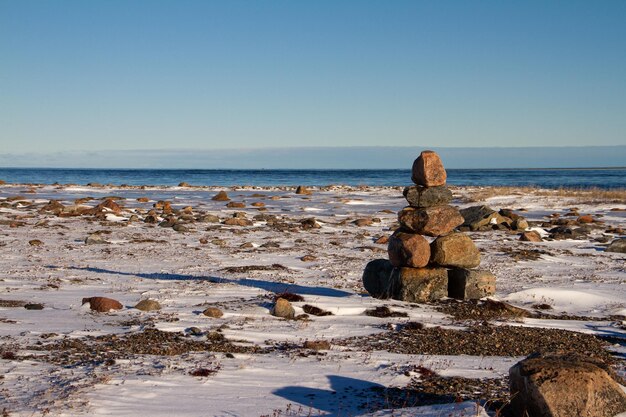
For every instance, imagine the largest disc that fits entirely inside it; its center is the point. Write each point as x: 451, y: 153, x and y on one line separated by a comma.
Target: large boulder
x: 430, y: 221
x: 428, y: 170
x: 378, y: 279
x: 419, y: 285
x: 408, y: 249
x: 454, y: 250
x: 419, y: 196
x: 470, y: 284
x: 553, y: 385
x: 477, y: 217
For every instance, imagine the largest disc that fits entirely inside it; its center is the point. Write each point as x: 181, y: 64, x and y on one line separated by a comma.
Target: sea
x: 576, y: 178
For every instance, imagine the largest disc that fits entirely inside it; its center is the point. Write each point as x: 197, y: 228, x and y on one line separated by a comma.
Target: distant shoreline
x: 611, y: 168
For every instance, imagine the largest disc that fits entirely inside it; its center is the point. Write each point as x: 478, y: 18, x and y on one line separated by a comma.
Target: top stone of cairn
x: 428, y: 170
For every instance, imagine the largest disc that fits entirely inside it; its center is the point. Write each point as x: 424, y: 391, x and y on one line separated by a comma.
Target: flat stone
x: 470, y: 284
x: 554, y: 385
x: 430, y: 221
x: 408, y: 249
x: 378, y: 279
x: 317, y: 344
x: 454, y: 250
x: 428, y: 170
x: 213, y: 312
x: 418, y: 285
x: 419, y: 196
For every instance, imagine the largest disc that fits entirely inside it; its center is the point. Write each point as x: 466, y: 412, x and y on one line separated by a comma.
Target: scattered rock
x: 209, y: 218
x: 315, y: 311
x: 564, y: 233
x: 181, y: 228
x: 430, y: 221
x: 221, y: 196
x: 235, y: 221
x: 308, y: 258
x: 35, y: 242
x: 531, y: 236
x: 585, y: 219
x: 282, y: 308
x: 303, y: 190
x: 363, y: 222
x: 309, y: 223
x: 213, y: 312
x: 382, y: 240
x: 95, y: 239
x: 519, y: 224
x: 477, y: 217
x: 235, y: 204
x: 419, y: 196
x: 384, y: 312
x: 148, y: 305
x: 33, y: 306
x: 553, y: 385
x: 184, y: 184
x: 143, y: 199
x: 317, y: 344
x: 428, y: 170
x: 466, y: 284
x: 618, y: 246
x: 102, y: 304
x: 408, y: 249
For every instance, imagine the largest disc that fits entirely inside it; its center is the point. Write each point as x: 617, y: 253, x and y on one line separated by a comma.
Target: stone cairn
x: 419, y: 270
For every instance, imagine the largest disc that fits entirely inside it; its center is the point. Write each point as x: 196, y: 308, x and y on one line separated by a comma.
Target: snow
x: 147, y: 261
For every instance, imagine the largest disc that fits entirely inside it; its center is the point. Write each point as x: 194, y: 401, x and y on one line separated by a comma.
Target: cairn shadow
x: 352, y: 397
x: 275, y: 287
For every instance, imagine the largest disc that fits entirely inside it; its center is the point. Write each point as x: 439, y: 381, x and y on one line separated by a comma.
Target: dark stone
x: 378, y: 279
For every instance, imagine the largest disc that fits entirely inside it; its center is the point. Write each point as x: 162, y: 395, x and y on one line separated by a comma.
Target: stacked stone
x: 419, y: 270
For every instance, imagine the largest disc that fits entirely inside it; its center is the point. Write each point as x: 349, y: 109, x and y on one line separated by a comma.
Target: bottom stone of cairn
x: 382, y: 280
x: 417, y: 285
x: 470, y: 284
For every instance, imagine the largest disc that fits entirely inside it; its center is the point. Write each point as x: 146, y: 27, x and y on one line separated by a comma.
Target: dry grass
x: 581, y: 195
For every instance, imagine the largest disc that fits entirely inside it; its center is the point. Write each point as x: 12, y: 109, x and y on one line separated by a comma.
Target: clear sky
x: 121, y: 74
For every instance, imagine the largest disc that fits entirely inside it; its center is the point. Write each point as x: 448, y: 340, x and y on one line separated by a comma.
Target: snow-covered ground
x: 188, y: 271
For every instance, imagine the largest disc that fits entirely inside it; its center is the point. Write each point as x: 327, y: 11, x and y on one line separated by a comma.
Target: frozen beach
x: 65, y: 360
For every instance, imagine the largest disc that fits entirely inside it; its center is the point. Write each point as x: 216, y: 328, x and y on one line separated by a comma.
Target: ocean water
x: 604, y: 178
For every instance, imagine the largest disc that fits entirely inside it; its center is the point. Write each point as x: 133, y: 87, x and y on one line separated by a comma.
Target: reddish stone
x: 585, y: 219
x: 455, y: 250
x: 530, y: 236
x: 102, y: 304
x: 428, y: 170
x: 430, y: 221
x: 408, y: 249
x: 221, y: 196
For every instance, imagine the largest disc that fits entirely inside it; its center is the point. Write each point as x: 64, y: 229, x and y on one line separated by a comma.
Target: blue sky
x: 118, y: 74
